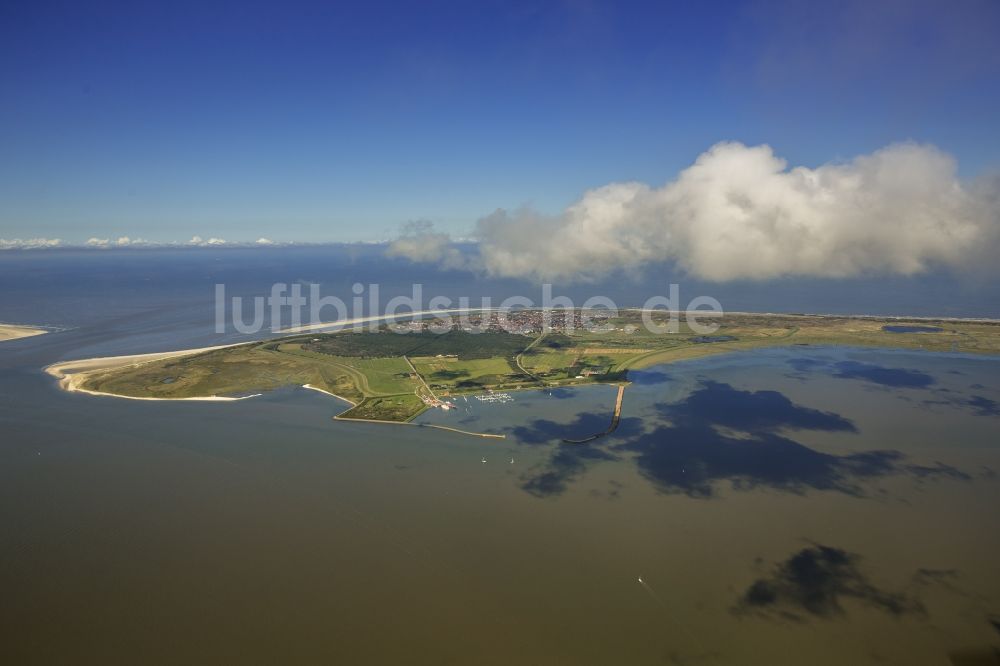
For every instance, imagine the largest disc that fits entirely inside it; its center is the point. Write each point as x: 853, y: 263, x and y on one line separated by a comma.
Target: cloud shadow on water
x: 721, y: 404
x: 543, y: 431
x: 983, y: 406
x: 867, y: 372
x: 648, y: 377
x: 567, y: 463
x: 692, y: 460
x: 877, y: 374
x: 808, y: 364
x: 814, y: 582
x: 977, y: 405
x: 720, y: 435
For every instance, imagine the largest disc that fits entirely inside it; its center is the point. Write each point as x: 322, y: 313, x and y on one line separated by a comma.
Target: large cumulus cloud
x: 740, y: 212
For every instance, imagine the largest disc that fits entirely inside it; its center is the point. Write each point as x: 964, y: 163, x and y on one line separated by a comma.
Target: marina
x: 495, y: 396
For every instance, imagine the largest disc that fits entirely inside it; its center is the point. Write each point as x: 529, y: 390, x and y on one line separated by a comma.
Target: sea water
x: 834, y: 505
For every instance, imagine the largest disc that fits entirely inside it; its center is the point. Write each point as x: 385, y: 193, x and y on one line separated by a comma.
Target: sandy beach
x: 338, y: 397
x: 72, y: 374
x: 13, y: 332
x: 338, y: 325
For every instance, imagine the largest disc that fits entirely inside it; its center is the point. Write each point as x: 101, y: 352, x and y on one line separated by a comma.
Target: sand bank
x: 14, y: 331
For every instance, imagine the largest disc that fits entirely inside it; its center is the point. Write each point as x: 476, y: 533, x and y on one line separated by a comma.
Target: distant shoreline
x: 877, y: 317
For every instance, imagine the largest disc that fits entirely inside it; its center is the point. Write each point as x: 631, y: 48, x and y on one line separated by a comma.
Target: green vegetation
x: 390, y: 408
x: 385, y: 343
x: 449, y: 375
x: 394, y: 377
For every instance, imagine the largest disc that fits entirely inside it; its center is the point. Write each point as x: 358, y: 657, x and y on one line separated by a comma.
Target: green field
x: 373, y: 369
x: 390, y: 408
x: 385, y: 343
x: 448, y: 375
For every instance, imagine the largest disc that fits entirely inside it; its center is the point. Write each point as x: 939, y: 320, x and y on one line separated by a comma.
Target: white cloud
x: 121, y: 241
x: 420, y: 242
x: 29, y: 243
x: 739, y: 212
x: 198, y: 240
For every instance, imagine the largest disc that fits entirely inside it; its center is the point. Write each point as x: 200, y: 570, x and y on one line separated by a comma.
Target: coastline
x: 323, y: 326
x: 17, y: 331
x: 338, y: 397
x: 72, y: 374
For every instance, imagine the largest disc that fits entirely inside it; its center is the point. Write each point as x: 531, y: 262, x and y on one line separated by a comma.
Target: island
x: 399, y: 370
x: 15, y: 331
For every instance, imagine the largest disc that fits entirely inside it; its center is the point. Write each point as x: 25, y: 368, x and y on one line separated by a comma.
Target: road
x: 419, y: 377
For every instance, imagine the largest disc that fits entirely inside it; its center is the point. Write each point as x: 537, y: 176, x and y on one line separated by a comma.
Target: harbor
x: 495, y: 397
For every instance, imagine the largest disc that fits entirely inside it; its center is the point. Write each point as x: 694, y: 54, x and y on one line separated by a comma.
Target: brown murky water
x: 804, y: 506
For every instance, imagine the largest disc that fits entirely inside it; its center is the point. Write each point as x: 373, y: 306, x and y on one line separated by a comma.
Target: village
x: 522, y: 321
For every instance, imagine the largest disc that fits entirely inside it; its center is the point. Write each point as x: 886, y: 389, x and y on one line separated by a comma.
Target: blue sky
x: 341, y: 121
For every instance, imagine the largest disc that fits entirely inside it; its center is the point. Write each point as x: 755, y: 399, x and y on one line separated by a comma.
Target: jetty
x: 615, y: 420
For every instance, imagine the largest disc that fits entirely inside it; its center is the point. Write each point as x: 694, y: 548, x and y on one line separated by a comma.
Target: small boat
x: 484, y: 460
x: 511, y: 461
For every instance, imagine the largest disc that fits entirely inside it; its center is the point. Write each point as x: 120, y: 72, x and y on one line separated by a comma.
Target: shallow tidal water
x: 804, y: 505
